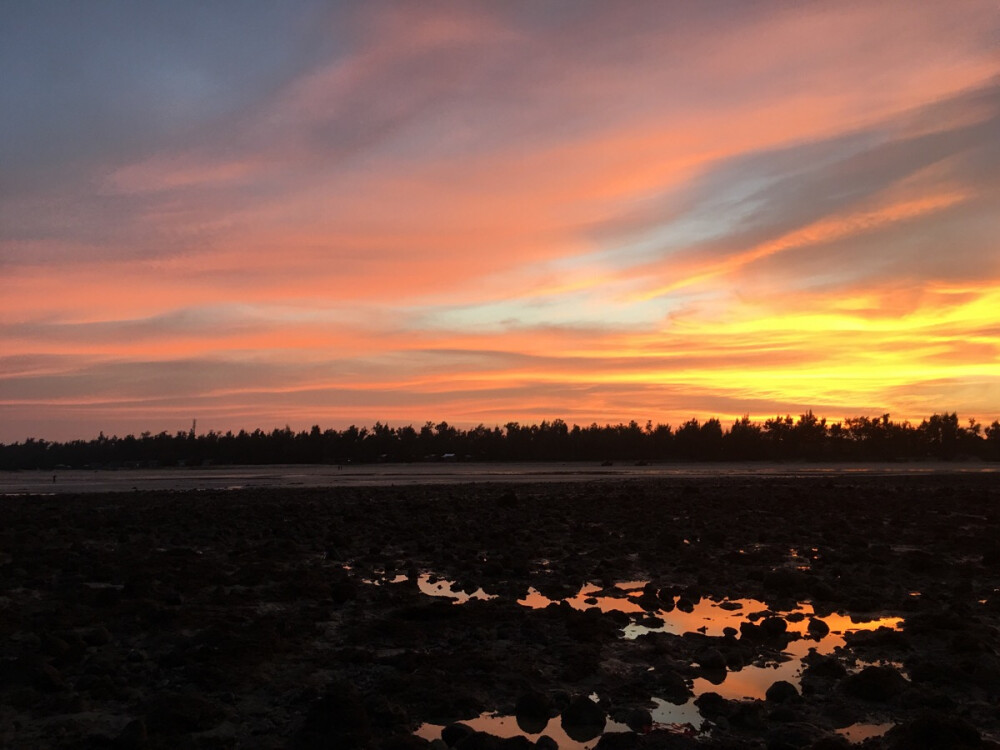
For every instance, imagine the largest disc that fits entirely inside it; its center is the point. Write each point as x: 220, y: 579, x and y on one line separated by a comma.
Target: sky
x: 259, y: 214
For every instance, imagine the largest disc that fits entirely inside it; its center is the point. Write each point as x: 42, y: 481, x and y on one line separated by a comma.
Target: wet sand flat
x: 63, y: 481
x: 623, y: 610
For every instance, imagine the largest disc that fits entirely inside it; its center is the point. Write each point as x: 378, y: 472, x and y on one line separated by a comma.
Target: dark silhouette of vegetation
x: 939, y: 437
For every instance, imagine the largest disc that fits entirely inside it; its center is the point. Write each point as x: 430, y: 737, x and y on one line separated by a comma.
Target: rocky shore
x: 609, y: 614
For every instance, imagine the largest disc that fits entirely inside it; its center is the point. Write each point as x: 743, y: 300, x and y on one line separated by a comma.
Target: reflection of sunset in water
x: 712, y: 617
x: 707, y: 616
x: 585, y: 599
x: 862, y: 731
x: 677, y: 616
x: 506, y: 726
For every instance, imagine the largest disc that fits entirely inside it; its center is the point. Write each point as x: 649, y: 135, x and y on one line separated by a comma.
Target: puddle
x: 684, y: 719
x: 679, y: 615
x: 860, y: 732
x: 708, y: 616
x: 681, y: 719
x: 431, y: 585
x: 588, y: 597
x: 505, y: 726
x: 676, y: 717
x: 713, y: 617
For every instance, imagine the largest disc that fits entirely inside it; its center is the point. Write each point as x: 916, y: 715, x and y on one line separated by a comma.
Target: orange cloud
x: 473, y: 216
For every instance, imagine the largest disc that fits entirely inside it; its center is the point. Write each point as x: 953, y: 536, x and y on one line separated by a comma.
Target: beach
x: 770, y: 610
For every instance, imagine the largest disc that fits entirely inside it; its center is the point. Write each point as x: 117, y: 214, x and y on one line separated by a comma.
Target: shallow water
x: 711, y: 617
x: 707, y: 616
x: 862, y: 731
x: 505, y: 726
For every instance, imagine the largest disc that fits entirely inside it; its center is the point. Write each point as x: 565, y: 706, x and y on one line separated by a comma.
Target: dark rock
x: 791, y: 737
x: 773, y: 627
x: 935, y: 672
x: 875, y: 684
x: 67, y: 702
x: 817, y: 627
x: 711, y: 659
x: 54, y: 646
x: 546, y: 743
x: 405, y: 742
x: 672, y: 687
x: 133, y: 736
x: 650, y: 621
x: 783, y: 713
x: 138, y: 587
x: 618, y: 741
x: 933, y: 732
x: 532, y: 712
x: 455, y: 733
x: 22, y: 698
x: 478, y: 741
x: 919, y: 561
x: 338, y: 719
x: 639, y: 720
x: 735, y: 660
x: 932, y: 621
x: 751, y: 632
x: 825, y: 668
x: 782, y: 581
x: 968, y: 643
x: 508, y: 500
x: 343, y: 588
x: 649, y: 602
x: 925, y: 697
x: 712, y: 705
x: 781, y: 691
x: 180, y: 713
x: 33, y: 672
x: 882, y: 637
x: 45, y: 677
x: 98, y: 636
x: 714, y: 676
x: 748, y: 716
x: 519, y: 742
x: 831, y: 742
x: 583, y: 719
x: 582, y: 663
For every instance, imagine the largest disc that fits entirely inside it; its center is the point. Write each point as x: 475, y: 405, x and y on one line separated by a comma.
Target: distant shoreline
x: 180, y: 479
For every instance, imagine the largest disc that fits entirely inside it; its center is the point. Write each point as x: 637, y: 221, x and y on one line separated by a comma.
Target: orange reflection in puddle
x: 707, y: 616
x: 857, y: 733
x: 506, y: 726
x: 585, y: 599
x: 442, y: 587
x: 430, y: 585
x: 711, y: 617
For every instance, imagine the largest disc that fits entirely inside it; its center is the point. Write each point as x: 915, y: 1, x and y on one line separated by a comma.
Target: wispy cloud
x: 497, y: 212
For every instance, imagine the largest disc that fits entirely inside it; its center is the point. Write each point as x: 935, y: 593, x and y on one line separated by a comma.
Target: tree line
x: 939, y: 437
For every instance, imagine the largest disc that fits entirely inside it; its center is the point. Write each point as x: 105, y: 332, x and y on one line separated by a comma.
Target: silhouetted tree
x: 744, y: 441
x: 941, y: 436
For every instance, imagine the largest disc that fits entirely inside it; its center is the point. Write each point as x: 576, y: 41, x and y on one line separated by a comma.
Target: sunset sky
x: 266, y: 213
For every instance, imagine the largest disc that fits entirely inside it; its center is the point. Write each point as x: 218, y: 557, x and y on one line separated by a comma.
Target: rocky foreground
x: 300, y: 618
